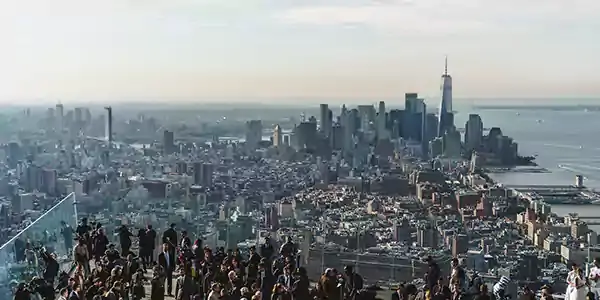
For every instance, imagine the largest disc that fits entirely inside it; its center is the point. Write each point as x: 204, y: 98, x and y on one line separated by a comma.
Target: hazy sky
x: 204, y: 49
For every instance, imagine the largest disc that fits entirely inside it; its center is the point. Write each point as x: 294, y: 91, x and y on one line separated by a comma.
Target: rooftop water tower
x: 579, y: 181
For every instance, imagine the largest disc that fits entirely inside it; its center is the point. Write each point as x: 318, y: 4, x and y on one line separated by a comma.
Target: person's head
x: 149, y: 227
x: 546, y: 290
x: 183, y: 233
x: 80, y: 240
x: 574, y: 266
x: 64, y: 292
x: 130, y: 257
x: 329, y: 272
x: 63, y: 223
x: 172, y: 225
x: 252, y: 249
x: 84, y: 221
x: 77, y: 287
x: 348, y: 270
x: 215, y: 287
x: 165, y: 247
x: 454, y: 262
x: 287, y: 270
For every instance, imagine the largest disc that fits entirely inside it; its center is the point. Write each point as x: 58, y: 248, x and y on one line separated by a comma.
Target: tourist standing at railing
x: 67, y: 233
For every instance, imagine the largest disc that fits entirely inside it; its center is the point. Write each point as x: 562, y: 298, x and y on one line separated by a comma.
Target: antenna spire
x: 446, y: 65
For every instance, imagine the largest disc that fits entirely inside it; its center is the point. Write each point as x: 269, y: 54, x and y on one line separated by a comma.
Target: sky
x: 199, y: 50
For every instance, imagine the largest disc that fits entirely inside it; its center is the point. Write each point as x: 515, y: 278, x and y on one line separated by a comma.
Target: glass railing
x: 20, y: 257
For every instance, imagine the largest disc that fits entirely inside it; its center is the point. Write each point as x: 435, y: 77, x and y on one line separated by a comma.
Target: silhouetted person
x: 170, y: 237
x: 151, y: 240
x: 124, y: 239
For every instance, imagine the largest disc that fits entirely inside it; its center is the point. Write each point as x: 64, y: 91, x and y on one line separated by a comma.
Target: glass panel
x: 20, y: 257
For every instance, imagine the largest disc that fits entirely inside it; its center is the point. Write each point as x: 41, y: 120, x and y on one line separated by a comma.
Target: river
x: 566, y: 143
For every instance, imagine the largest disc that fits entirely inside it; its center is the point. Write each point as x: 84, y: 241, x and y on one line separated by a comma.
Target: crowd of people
x: 186, y: 270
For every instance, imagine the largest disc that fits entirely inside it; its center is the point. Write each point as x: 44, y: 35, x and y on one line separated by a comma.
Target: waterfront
x: 564, y: 141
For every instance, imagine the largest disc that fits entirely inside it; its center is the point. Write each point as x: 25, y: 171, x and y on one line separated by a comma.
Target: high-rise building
x: 253, y: 133
x: 108, y: 126
x: 305, y: 135
x: 446, y: 115
x: 277, y: 136
x: 473, y: 132
x: 206, y: 175
x: 324, y: 120
x: 168, y: 142
x: 414, y: 117
x: 381, y: 122
x: 60, y: 114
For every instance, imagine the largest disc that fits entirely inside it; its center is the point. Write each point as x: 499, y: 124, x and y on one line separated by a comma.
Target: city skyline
x: 195, y: 51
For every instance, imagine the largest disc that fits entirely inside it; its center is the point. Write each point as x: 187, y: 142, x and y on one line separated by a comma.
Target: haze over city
x: 193, y: 51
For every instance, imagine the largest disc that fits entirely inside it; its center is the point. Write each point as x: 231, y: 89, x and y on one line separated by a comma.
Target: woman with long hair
x: 576, y: 281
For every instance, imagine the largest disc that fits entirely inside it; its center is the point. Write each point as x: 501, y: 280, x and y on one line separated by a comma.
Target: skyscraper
x: 324, y: 120
x: 381, y: 130
x: 446, y: 116
x: 108, y: 126
x: 168, y: 142
x: 473, y: 132
x: 277, y: 136
x: 60, y: 114
x: 253, y: 133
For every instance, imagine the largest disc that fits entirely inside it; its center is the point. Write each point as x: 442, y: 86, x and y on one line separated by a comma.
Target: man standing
x: 167, y: 261
x: 594, y: 277
x: 170, y: 237
x: 151, y: 240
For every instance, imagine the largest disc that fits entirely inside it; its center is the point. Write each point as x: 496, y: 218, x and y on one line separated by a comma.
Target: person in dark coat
x: 52, y: 267
x: 157, y: 290
x: 144, y: 247
x: 433, y: 273
x: 100, y: 244
x: 124, y: 239
x: 170, y: 237
x: 166, y: 260
x: 151, y: 241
